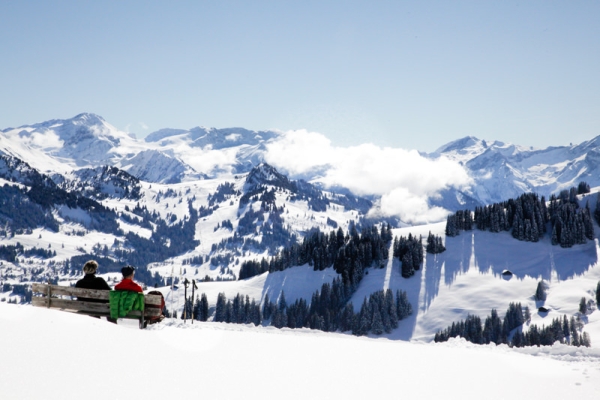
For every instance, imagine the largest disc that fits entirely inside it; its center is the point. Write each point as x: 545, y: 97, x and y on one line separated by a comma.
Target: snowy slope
x: 70, y: 356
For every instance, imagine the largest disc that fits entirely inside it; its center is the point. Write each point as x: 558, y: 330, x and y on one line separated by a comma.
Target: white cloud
x: 299, y: 152
x: 403, y: 178
x: 410, y: 207
x: 46, y: 139
x: 207, y: 160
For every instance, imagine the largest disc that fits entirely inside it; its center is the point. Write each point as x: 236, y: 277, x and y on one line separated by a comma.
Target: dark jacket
x: 91, y: 281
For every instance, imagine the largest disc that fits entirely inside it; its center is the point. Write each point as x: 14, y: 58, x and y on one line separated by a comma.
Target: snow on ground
x: 49, y: 354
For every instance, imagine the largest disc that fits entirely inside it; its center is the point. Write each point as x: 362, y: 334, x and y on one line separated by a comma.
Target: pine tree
x: 203, y: 313
x: 434, y: 244
x: 583, y: 306
x: 228, y: 312
x: 220, y: 309
x: 597, y: 210
x: 573, y: 327
x: 540, y: 291
x: 585, y: 340
x: 266, y: 307
x: 526, y: 314
x: 554, y: 238
x: 282, y: 302
x: 451, y: 229
x: 589, y: 226
x: 583, y: 188
x: 361, y: 323
x: 196, y: 309
x: 518, y: 339
x: 377, y: 324
x: 403, y: 307
x: 407, y: 265
x: 391, y: 309
x: 346, y: 318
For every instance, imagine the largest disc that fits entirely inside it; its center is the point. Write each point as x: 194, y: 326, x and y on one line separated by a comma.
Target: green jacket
x: 121, y: 302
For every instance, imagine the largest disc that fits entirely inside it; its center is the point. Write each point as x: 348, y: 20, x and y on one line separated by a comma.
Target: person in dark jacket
x: 127, y: 283
x: 91, y: 281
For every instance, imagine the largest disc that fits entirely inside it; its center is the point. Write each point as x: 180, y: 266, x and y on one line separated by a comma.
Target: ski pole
x: 172, y: 280
x: 185, y: 285
x: 193, y: 287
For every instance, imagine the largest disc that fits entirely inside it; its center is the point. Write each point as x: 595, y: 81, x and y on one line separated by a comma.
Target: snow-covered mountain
x: 498, y: 170
x: 215, y: 138
x: 88, y: 141
x: 204, y: 222
x: 243, y: 148
x: 501, y: 171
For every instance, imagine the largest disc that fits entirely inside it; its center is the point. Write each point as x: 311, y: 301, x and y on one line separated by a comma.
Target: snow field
x: 70, y: 356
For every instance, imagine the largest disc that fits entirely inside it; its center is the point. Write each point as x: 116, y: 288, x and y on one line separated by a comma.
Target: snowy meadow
x: 49, y: 354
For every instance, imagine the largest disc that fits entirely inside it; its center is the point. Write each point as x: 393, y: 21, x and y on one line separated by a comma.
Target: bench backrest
x: 48, y: 291
x: 56, y: 290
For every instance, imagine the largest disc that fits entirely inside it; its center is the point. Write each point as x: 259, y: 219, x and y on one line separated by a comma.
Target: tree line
x: 350, y: 253
x: 498, y: 331
x: 528, y: 216
x: 329, y: 310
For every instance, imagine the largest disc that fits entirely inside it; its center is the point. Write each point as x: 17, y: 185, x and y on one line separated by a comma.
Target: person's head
x: 128, y: 272
x: 90, y: 267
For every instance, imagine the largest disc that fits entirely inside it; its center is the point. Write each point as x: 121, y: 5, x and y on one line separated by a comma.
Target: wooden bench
x: 62, y: 298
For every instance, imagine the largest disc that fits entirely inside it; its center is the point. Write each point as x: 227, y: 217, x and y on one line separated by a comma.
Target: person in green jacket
x: 127, y: 296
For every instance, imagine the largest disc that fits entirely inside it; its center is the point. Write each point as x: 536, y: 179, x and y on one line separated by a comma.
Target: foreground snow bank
x: 49, y: 354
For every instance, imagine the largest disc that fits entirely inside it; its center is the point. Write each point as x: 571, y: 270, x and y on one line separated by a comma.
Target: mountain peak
x: 461, y: 144
x: 88, y: 118
x: 264, y: 174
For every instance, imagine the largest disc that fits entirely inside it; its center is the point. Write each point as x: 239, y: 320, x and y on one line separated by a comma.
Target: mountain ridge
x: 534, y: 169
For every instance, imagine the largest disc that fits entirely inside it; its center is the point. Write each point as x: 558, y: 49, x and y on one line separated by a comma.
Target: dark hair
x: 127, y: 271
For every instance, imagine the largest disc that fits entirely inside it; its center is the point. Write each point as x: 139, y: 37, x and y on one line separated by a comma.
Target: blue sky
x: 413, y: 75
